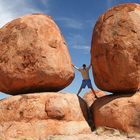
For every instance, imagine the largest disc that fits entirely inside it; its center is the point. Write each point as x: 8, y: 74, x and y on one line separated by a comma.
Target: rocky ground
x: 92, y: 136
x: 100, y: 134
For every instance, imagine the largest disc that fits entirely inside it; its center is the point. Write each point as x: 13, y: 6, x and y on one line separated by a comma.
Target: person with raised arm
x: 86, y: 79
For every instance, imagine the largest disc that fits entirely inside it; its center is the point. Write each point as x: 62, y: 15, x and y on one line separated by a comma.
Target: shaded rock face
x: 115, y: 49
x: 89, y: 97
x: 120, y: 112
x: 39, y: 115
x: 33, y: 56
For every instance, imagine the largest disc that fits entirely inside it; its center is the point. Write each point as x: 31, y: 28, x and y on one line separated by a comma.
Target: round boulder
x: 37, y: 116
x: 33, y: 56
x: 115, y: 49
x: 121, y: 112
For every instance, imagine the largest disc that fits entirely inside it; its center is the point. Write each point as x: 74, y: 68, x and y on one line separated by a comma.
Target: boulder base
x: 118, y: 111
x: 39, y: 115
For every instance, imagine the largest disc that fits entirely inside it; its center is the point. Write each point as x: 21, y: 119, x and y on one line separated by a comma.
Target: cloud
x: 77, y: 41
x: 76, y: 30
x: 12, y: 9
x: 81, y: 47
x: 70, y: 23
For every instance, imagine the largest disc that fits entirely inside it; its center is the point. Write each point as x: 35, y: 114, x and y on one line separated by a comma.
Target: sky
x: 76, y: 20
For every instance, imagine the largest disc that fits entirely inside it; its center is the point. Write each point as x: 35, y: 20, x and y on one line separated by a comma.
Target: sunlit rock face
x: 115, y: 49
x: 38, y: 115
x: 33, y: 56
x: 121, y: 112
x: 89, y: 96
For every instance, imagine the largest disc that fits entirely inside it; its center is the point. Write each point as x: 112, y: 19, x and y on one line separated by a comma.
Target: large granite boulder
x: 36, y: 116
x: 121, y: 112
x: 33, y: 56
x: 115, y: 49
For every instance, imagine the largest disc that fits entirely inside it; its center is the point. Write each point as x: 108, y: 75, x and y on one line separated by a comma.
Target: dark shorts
x: 86, y: 83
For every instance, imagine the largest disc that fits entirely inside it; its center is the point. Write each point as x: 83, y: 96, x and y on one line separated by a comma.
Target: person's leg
x: 94, y: 92
x: 83, y: 85
x: 90, y: 86
x: 79, y: 90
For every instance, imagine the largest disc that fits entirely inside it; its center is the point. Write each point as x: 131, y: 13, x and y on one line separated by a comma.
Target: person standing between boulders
x: 86, y: 80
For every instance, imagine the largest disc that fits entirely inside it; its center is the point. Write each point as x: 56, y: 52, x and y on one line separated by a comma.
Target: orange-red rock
x: 33, y: 56
x: 116, y: 49
x: 89, y: 97
x: 118, y: 111
x: 36, y: 116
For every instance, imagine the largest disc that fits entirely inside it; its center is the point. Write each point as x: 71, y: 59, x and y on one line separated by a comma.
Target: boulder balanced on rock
x: 36, y: 116
x: 33, y: 56
x: 115, y: 49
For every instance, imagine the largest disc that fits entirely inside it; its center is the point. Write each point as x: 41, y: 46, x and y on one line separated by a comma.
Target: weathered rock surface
x: 36, y: 116
x: 33, y: 56
x: 118, y: 111
x: 116, y: 49
x: 89, y: 97
x: 91, y: 136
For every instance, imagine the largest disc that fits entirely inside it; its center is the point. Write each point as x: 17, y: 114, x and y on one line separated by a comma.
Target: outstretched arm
x: 75, y: 67
x: 89, y: 66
